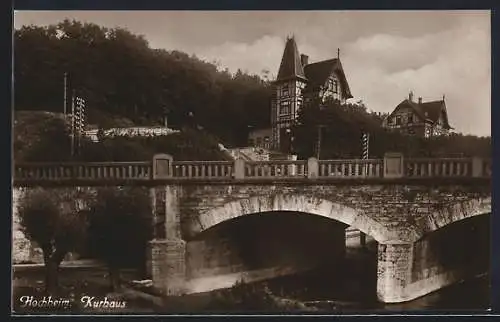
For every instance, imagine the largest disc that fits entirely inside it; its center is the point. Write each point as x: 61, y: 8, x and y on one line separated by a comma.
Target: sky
x: 385, y: 54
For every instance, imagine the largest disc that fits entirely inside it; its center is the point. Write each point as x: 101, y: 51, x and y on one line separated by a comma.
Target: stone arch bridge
x: 399, y: 202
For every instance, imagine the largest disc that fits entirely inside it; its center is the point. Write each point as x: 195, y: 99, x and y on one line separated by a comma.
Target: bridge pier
x: 393, y: 272
x: 168, y: 265
x: 168, y: 255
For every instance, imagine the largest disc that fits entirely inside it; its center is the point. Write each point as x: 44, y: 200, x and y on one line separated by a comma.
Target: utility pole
x: 65, y: 94
x: 318, y: 144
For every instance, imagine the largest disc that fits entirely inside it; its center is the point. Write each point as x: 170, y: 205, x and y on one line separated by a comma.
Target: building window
x: 250, y: 142
x: 398, y: 120
x: 333, y: 86
x: 285, y: 90
x: 410, y: 118
x: 285, y: 107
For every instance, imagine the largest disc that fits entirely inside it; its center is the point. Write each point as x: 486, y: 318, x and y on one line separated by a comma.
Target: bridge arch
x: 296, y: 203
x: 451, y: 214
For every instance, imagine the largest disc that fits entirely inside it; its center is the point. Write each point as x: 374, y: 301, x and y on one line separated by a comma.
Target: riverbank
x: 325, y: 290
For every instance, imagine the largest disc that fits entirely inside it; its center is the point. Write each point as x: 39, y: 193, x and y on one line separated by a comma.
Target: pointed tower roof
x: 291, y: 66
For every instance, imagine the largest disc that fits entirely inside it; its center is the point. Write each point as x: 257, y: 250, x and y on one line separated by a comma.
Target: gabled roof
x: 291, y: 66
x: 317, y: 74
x: 427, y: 111
x: 434, y: 109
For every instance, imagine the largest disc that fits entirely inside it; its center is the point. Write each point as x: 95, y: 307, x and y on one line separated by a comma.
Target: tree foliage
x: 120, y: 227
x: 44, y: 137
x: 40, y: 136
x: 341, y: 128
x: 119, y: 74
x: 54, y: 221
x: 124, y: 81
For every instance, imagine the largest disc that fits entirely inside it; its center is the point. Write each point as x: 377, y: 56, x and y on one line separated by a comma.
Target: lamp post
x: 320, y: 127
x: 166, y: 112
x: 288, y: 132
x: 318, y: 144
x: 250, y: 140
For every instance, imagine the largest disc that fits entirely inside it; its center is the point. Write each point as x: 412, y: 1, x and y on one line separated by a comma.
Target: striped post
x: 73, y: 124
x: 79, y: 120
x: 365, y: 143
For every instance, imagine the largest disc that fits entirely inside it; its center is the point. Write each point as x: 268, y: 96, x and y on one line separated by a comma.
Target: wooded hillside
x: 125, y: 82
x: 118, y: 74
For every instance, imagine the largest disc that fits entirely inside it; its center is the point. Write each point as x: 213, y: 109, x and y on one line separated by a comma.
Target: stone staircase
x: 256, y: 154
x: 250, y: 154
x: 276, y: 155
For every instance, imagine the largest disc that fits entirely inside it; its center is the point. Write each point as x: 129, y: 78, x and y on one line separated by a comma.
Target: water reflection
x: 351, y: 286
x: 469, y: 295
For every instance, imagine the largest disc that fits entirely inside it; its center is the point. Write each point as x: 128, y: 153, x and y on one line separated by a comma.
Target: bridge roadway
x: 399, y: 202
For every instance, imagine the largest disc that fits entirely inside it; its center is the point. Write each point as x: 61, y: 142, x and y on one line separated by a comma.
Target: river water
x: 352, y: 288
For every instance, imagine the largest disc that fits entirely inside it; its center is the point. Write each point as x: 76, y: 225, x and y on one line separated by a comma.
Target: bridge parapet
x: 202, y: 169
x: 465, y: 167
x: 82, y: 171
x: 351, y: 168
x: 392, y: 166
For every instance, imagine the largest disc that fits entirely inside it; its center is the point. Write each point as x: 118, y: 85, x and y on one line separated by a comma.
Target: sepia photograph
x: 251, y: 162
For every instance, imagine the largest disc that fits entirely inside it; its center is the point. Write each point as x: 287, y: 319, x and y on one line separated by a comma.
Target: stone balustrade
x: 351, y: 168
x: 82, y: 171
x: 164, y: 167
x: 438, y: 167
x: 202, y: 169
x: 273, y: 169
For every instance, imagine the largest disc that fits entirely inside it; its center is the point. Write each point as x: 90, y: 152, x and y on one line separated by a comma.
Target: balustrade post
x: 239, y: 168
x: 292, y: 168
x: 312, y: 167
x: 74, y: 171
x: 162, y: 166
x: 477, y: 167
x: 393, y: 165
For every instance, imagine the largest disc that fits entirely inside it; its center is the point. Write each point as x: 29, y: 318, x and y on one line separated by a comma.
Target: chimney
x: 304, y: 59
x: 410, y: 96
x: 420, y: 100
